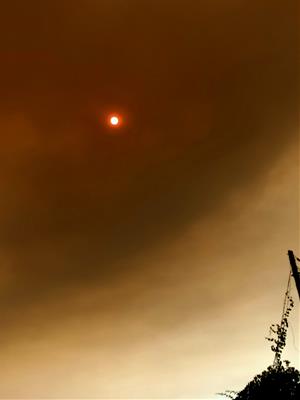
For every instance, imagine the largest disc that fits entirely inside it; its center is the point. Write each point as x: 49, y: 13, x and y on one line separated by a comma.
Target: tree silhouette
x: 279, y: 381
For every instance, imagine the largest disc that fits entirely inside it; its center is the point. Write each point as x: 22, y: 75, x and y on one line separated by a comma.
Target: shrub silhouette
x: 277, y: 382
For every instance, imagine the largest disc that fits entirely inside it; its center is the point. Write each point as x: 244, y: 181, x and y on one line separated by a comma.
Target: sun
x: 114, y: 120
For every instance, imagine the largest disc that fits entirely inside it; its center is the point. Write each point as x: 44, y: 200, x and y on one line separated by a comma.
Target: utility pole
x: 295, y: 271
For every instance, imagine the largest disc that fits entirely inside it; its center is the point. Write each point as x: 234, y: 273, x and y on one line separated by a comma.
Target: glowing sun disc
x: 114, y: 120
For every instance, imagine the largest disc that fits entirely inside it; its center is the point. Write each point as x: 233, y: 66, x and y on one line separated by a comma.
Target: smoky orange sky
x: 146, y: 261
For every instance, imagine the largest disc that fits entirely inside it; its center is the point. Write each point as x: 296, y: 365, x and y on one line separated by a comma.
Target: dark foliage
x: 282, y: 383
x: 279, y: 381
x: 280, y: 331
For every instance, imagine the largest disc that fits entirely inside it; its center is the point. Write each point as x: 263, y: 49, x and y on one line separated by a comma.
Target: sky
x: 150, y: 259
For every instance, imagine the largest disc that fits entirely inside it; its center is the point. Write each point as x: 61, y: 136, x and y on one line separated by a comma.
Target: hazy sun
x: 114, y: 120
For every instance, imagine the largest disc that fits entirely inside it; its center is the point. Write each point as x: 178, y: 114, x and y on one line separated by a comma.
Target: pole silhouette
x: 295, y: 271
